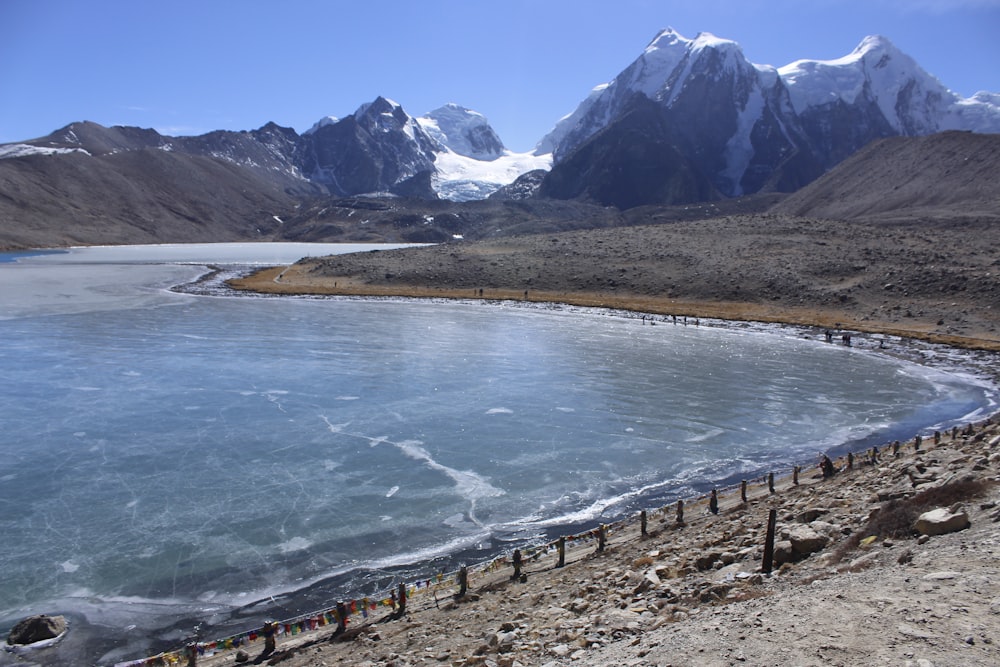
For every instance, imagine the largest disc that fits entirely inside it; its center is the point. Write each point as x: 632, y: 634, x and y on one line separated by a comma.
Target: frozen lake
x: 165, y: 456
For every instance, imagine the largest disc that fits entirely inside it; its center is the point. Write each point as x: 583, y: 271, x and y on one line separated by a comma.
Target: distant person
x: 517, y: 564
x: 826, y: 465
x: 713, y: 502
x: 269, y: 631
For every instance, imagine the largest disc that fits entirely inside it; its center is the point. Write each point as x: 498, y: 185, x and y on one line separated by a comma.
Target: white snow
x: 461, y: 178
x: 322, y: 122
x: 454, y: 127
x: 911, y: 100
x: 739, y: 149
x: 875, y: 68
x: 22, y: 150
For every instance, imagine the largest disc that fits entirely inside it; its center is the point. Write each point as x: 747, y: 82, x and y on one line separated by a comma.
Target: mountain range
x: 690, y: 120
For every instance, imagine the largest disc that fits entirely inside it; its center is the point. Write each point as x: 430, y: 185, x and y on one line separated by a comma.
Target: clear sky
x: 191, y: 66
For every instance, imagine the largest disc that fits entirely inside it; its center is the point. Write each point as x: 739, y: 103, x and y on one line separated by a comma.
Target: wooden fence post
x: 770, y: 482
x: 743, y: 490
x: 767, y: 564
x: 795, y: 475
x: 680, y: 512
x: 713, y: 502
x: 561, y: 546
x: 642, y: 523
x: 602, y: 537
x: 463, y: 582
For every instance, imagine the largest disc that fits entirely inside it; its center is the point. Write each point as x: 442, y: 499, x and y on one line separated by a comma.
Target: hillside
x: 941, y: 176
x: 141, y: 196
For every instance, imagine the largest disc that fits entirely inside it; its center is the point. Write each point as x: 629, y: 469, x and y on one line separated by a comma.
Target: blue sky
x: 188, y: 67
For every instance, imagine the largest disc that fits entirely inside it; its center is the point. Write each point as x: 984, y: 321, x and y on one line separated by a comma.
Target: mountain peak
x: 379, y: 105
x: 322, y: 122
x: 462, y: 131
x: 666, y: 39
x: 874, y: 44
x: 874, y: 72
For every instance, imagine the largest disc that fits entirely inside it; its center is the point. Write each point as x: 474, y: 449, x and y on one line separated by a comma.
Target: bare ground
x: 929, y: 279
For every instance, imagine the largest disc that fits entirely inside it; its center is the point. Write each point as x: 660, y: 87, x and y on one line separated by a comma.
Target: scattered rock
x: 940, y: 521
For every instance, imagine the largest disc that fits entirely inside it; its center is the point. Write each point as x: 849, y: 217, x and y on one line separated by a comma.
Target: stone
x: 811, y: 514
x: 707, y: 561
x: 783, y: 552
x: 36, y: 629
x: 561, y: 650
x: 805, y: 540
x: 941, y: 521
x: 863, y: 562
x: 912, y: 632
x: 650, y: 580
x: 242, y: 656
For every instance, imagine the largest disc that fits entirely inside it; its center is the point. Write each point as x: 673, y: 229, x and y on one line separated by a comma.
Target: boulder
x: 805, y: 540
x: 811, y: 514
x: 36, y: 629
x: 649, y: 580
x: 940, y: 521
x: 707, y: 561
x: 783, y: 552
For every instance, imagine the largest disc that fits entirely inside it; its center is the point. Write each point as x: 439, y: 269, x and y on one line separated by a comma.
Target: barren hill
x: 942, y: 176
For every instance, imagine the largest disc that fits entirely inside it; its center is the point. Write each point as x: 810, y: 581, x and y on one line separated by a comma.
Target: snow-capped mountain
x: 451, y: 153
x: 688, y: 120
x: 463, y: 131
x: 751, y: 127
x: 472, y: 162
x: 378, y: 148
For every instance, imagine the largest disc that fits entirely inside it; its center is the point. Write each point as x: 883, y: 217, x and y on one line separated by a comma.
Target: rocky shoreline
x: 849, y: 585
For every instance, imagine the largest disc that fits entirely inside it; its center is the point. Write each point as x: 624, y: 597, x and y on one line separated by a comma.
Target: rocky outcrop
x: 36, y: 629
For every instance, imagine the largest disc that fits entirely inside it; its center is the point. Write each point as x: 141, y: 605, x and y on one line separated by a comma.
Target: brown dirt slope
x: 919, y: 278
x: 943, y: 176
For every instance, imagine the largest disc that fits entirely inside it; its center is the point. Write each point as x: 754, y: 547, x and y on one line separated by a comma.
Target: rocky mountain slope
x: 951, y: 175
x: 748, y: 128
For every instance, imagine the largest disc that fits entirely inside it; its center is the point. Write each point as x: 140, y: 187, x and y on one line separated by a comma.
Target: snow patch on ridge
x: 461, y: 178
x: 739, y: 148
x: 23, y: 150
